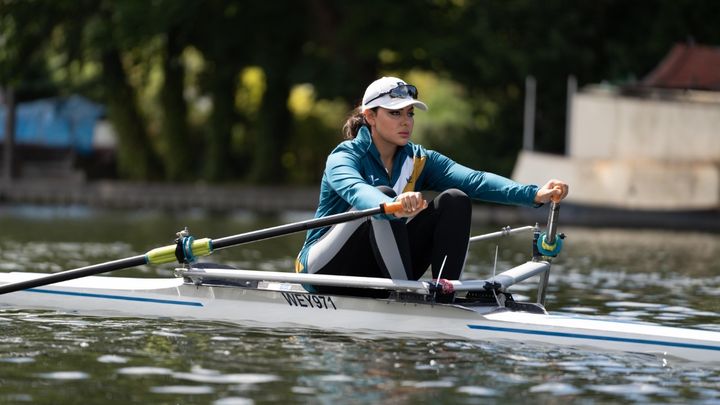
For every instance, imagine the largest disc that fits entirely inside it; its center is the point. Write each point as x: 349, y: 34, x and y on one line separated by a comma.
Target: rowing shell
x: 257, y: 298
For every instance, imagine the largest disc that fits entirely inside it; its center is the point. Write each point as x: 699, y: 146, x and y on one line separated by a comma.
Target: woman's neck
x: 387, y: 152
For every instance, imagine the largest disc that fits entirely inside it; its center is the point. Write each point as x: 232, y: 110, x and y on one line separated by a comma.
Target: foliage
x: 235, y: 90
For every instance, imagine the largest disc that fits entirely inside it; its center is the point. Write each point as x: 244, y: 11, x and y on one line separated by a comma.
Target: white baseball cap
x: 391, y: 93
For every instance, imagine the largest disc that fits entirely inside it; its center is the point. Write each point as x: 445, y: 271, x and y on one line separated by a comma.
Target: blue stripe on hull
x: 596, y: 337
x: 116, y: 297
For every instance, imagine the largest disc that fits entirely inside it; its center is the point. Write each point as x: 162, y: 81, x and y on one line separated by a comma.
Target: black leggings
x: 438, y: 233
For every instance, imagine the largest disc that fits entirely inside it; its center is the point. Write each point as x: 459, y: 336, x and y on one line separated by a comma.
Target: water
x: 48, y: 357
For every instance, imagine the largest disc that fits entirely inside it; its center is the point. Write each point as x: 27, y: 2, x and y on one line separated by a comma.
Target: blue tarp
x: 55, y: 122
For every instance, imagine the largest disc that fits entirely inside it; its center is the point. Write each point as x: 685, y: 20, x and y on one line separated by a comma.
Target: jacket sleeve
x: 342, y: 173
x: 443, y: 173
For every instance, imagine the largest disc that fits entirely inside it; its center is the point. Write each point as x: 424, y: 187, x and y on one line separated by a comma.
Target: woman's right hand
x: 412, y: 202
x: 553, y: 190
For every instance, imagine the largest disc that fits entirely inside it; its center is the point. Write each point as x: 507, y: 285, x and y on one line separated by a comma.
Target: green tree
x: 472, y: 56
x: 137, y: 158
x: 224, y: 41
x: 279, y: 49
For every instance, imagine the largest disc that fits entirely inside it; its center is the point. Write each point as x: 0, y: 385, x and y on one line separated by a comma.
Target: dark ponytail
x: 353, y: 123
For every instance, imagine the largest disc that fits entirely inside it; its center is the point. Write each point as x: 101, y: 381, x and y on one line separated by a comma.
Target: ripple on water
x: 303, y: 390
x: 65, y: 375
x: 429, y: 384
x: 225, y: 338
x: 636, y: 391
x: 17, y: 360
x: 632, y: 304
x: 643, y: 378
x: 335, y: 378
x: 219, y: 378
x: 183, y: 389
x: 578, y: 309
x: 234, y: 401
x: 111, y: 358
x: 688, y: 311
x: 166, y: 333
x: 670, y: 317
x: 202, y: 375
x: 627, y: 316
x: 140, y: 370
x: 555, y: 388
x: 708, y: 326
x: 477, y: 391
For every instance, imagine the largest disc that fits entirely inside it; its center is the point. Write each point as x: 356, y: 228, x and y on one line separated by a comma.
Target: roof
x: 687, y: 66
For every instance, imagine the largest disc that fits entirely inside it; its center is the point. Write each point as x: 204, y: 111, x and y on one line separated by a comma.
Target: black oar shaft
x: 293, y: 228
x: 74, y: 273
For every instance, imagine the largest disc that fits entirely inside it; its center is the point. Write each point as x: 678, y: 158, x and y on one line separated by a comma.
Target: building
x: 51, y: 137
x: 647, y: 153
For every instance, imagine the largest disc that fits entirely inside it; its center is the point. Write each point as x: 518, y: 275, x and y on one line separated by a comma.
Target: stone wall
x: 611, y: 126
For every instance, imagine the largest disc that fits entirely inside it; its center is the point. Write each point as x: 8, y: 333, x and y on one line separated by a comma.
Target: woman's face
x: 391, y: 127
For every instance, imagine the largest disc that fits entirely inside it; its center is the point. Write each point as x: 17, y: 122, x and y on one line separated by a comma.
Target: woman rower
x: 377, y: 163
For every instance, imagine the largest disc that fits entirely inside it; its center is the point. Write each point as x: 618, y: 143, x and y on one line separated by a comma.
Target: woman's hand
x: 553, y: 190
x: 412, y: 203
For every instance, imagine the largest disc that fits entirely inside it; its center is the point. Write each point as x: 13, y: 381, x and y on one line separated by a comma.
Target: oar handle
x: 549, y: 244
x: 552, y: 222
x: 391, y: 207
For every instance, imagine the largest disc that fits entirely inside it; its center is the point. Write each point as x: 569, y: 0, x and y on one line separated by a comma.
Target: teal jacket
x: 354, y: 171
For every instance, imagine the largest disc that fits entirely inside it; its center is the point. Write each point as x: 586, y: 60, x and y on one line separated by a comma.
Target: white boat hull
x: 285, y: 305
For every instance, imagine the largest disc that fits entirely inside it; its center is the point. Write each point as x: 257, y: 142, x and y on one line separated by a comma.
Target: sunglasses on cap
x: 401, y: 91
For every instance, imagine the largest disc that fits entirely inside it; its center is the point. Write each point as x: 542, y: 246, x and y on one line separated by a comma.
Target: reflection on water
x: 178, y: 362
x: 47, y: 357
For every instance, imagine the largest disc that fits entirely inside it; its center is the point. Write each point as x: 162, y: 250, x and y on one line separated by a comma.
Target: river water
x: 47, y: 357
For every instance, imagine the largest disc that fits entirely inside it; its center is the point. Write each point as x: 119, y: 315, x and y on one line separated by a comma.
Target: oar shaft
x: 74, y: 273
x: 202, y: 247
x: 268, y: 233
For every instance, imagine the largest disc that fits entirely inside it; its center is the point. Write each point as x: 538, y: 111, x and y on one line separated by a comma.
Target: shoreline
x: 274, y: 200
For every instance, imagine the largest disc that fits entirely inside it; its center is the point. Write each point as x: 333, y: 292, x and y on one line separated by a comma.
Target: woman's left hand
x: 553, y: 190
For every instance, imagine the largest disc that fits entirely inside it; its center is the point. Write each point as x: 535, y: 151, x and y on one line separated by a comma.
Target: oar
x: 188, y: 248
